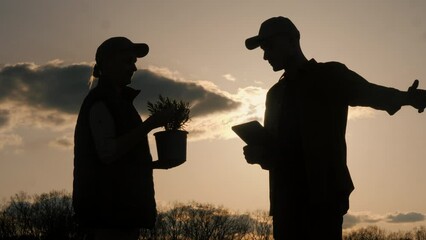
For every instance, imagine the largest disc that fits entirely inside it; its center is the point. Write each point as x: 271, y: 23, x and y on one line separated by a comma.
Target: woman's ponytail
x: 96, y: 71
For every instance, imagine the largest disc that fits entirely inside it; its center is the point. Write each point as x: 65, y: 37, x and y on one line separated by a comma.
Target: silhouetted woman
x: 113, y: 194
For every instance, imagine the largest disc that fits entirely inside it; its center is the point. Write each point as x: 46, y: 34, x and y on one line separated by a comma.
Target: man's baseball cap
x: 273, y: 27
x: 115, y: 45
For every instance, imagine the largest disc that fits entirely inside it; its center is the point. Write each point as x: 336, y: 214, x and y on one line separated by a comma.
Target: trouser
x: 308, y: 224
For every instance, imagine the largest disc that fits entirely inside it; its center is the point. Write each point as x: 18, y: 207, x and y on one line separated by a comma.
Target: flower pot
x: 171, y: 147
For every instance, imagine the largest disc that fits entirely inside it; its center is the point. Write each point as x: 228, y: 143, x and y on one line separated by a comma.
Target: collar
x: 127, y: 93
x: 305, y: 67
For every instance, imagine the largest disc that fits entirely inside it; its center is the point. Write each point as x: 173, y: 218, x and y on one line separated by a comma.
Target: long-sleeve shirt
x: 306, y: 115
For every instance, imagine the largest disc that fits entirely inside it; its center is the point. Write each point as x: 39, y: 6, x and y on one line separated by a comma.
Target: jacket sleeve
x: 271, y: 124
x: 356, y: 91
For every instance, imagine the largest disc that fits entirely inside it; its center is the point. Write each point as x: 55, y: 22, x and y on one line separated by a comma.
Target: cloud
x: 48, y: 95
x: 252, y: 107
x: 23, y: 115
x: 405, y: 217
x: 9, y: 139
x: 204, y: 97
x: 4, y: 117
x: 50, y: 86
x: 350, y: 221
x: 62, y: 87
x: 229, y: 77
x: 360, y: 112
x: 64, y: 142
x: 353, y: 219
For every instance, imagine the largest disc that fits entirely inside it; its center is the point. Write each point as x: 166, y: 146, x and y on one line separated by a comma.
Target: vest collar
x: 106, y: 90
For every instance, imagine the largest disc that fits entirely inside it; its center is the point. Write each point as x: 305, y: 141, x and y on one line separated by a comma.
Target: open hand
x: 417, y: 97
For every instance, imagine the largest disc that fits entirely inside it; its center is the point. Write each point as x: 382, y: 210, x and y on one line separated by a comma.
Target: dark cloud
x: 63, y: 142
x: 350, y: 221
x: 202, y: 101
x: 405, y: 217
x: 4, y: 117
x: 60, y: 87
x: 353, y: 219
x: 49, y: 86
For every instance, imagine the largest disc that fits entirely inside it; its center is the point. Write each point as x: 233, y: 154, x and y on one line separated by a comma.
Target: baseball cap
x: 270, y: 28
x: 114, y: 45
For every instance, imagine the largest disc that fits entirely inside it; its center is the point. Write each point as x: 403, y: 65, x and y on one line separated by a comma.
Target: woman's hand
x: 159, y: 119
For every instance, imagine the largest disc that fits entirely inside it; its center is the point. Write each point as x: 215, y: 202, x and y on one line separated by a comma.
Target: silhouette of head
x: 273, y: 27
x: 279, y: 39
x: 116, y: 58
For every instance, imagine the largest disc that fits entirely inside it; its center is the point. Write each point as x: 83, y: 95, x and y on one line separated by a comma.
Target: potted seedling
x: 171, y: 143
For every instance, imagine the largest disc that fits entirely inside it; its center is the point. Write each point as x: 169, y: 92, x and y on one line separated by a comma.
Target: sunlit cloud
x: 166, y: 72
x: 360, y: 112
x: 252, y: 107
x: 217, y: 125
x: 23, y: 115
x: 229, y: 77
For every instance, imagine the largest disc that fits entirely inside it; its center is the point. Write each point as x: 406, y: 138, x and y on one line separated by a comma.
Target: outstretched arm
x: 357, y: 91
x: 390, y: 99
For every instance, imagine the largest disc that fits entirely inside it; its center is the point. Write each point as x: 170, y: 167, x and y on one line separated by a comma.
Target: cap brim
x: 253, y: 42
x: 140, y: 49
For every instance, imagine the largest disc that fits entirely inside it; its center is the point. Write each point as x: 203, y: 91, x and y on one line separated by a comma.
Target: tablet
x: 251, y: 133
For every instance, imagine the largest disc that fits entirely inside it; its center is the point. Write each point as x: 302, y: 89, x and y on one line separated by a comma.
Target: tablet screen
x: 251, y: 133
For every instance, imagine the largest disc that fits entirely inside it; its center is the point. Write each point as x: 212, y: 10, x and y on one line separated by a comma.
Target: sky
x: 197, y: 54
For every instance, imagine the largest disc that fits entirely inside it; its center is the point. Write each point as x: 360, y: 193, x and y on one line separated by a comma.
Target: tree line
x: 49, y: 216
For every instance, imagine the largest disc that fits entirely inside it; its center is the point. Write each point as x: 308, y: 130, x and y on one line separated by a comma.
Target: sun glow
x: 252, y: 107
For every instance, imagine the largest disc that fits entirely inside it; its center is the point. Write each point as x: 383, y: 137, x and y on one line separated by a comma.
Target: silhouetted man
x: 305, y: 120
